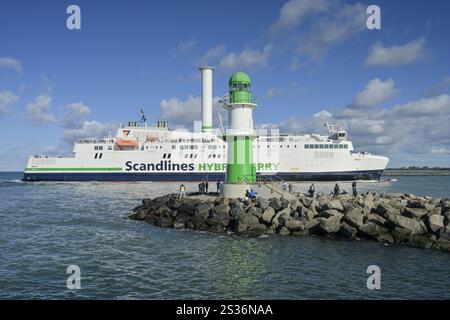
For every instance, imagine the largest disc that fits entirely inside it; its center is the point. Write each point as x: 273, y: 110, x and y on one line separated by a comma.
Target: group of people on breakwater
x: 336, y: 190
x: 391, y: 218
x: 203, y: 188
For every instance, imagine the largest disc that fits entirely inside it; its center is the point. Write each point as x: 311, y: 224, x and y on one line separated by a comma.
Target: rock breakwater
x: 391, y: 218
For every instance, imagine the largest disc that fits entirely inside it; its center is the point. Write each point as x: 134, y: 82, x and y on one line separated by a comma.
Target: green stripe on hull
x: 73, y: 169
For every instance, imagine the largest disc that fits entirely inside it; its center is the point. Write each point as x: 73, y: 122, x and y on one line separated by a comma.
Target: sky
x: 310, y: 62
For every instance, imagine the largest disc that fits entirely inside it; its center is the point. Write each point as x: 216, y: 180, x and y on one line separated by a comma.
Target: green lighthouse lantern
x: 239, y: 88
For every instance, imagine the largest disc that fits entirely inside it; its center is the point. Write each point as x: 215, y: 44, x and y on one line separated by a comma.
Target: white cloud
x: 182, y: 114
x: 188, y: 44
x: 442, y: 87
x: 272, y: 92
x: 212, y: 55
x: 340, y: 23
x: 77, y: 124
x: 293, y: 13
x: 417, y: 128
x: 8, y: 62
x: 439, y: 105
x: 89, y: 129
x: 248, y: 58
x: 7, y: 98
x: 396, y: 55
x: 376, y: 92
x: 75, y: 116
x: 39, y: 111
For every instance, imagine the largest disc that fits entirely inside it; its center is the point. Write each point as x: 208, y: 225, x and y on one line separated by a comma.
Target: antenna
x: 143, y: 117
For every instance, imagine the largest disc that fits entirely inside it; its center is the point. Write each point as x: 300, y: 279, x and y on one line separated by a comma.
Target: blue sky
x: 310, y: 61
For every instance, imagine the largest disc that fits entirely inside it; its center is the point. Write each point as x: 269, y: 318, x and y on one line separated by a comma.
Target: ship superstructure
x: 141, y: 152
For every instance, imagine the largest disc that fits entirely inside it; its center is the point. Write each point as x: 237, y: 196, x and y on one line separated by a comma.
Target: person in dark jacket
x: 312, y: 190
x: 336, y: 189
x: 206, y: 186
x: 355, y: 192
x: 218, y: 186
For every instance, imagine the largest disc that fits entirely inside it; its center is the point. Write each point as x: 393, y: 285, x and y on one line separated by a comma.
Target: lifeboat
x: 127, y: 143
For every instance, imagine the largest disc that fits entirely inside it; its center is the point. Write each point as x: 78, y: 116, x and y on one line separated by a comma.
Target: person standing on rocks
x: 218, y: 186
x: 290, y: 188
x: 336, y: 189
x: 312, y: 190
x: 182, y: 191
x: 200, y: 188
x: 355, y: 193
x: 206, y: 186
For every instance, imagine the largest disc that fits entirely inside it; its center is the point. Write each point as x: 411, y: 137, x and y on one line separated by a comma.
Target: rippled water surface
x: 44, y: 227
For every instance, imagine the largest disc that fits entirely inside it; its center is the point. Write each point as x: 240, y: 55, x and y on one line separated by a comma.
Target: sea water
x: 47, y: 226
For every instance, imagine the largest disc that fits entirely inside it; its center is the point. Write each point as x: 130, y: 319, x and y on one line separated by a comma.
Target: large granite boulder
x: 434, y: 223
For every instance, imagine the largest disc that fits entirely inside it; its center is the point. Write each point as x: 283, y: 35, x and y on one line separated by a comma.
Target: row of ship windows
x: 326, y: 146
x: 194, y: 147
x: 101, y: 148
x: 98, y: 156
x: 192, y: 156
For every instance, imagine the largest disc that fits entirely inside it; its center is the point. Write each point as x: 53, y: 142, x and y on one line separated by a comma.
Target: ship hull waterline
x: 193, y: 177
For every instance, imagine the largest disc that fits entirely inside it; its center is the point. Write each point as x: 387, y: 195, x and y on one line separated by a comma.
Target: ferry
x: 142, y: 152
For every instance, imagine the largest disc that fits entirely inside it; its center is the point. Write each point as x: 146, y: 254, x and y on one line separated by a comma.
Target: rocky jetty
x: 391, y: 218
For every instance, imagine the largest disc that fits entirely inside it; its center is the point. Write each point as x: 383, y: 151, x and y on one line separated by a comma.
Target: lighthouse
x: 241, y: 171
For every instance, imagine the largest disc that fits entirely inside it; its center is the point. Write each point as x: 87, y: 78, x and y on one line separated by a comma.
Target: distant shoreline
x: 417, y: 172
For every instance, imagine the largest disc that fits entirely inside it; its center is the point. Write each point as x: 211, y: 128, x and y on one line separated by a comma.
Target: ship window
x: 234, y: 86
x: 101, y: 154
x: 316, y: 146
x: 185, y: 156
x: 214, y: 155
x: 191, y: 156
x: 110, y: 147
x: 96, y: 155
x: 341, y: 146
x: 325, y: 146
x: 169, y: 155
x: 345, y: 146
x: 218, y: 156
x: 336, y: 146
x: 174, y: 147
x: 164, y: 156
x: 95, y: 147
x: 295, y: 146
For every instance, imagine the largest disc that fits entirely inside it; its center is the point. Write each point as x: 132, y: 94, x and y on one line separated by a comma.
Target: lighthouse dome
x: 239, y: 77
